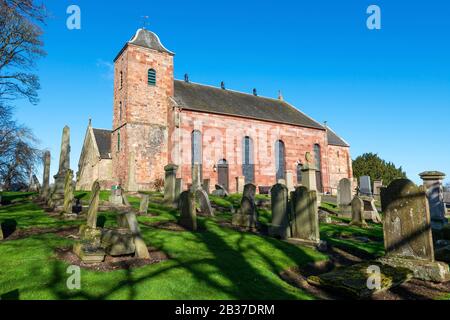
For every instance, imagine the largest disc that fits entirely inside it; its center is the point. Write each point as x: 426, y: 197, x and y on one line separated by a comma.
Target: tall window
x: 299, y: 174
x: 318, y: 164
x: 120, y: 110
x: 280, y: 163
x: 196, y: 142
x: 151, y: 77
x: 118, y: 140
x: 121, y: 79
x: 248, y: 164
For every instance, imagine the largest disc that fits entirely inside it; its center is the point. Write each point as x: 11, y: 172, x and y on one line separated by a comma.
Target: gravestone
x: 35, y: 186
x: 344, y: 197
x: 170, y: 183
x: 196, y: 177
x: 1, y: 232
x: 433, y: 182
x: 358, y: 213
x: 240, y: 183
x: 45, y: 190
x: 246, y: 216
x: 115, y: 198
x: 370, y: 209
x: 220, y: 191
x: 143, y: 206
x: 206, y: 185
x: 205, y: 204
x: 365, y: 186
x: 57, y: 197
x: 68, y: 193
x: 279, y: 227
x: 89, y: 248
x: 188, y: 214
x: 407, y: 231
x: 178, y: 188
x: 377, y: 185
x: 309, y: 174
x: 305, y: 216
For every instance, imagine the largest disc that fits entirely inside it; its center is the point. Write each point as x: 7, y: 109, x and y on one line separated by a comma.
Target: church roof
x: 227, y: 102
x: 335, y: 140
x: 103, y: 138
x: 447, y: 197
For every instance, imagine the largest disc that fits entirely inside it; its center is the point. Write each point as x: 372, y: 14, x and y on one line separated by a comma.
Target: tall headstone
x: 57, y: 199
x: 358, y: 212
x: 178, y: 190
x: 188, y: 216
x: 433, y: 182
x: 309, y: 174
x: 206, y: 185
x: 240, y: 183
x: 344, y: 197
x: 377, y: 185
x: 365, y: 186
x: 68, y: 193
x: 246, y: 216
x: 305, y: 216
x: 289, y: 180
x: 170, y: 183
x: 196, y: 177
x: 279, y: 195
x: 407, y: 231
x: 143, y: 206
x: 45, y: 191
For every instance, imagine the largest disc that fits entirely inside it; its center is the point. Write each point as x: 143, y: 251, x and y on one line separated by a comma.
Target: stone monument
x: 45, y: 190
x: 280, y: 226
x: 344, y: 197
x: 188, y: 214
x: 57, y: 197
x: 246, y: 216
x: 170, y: 179
x: 433, y: 182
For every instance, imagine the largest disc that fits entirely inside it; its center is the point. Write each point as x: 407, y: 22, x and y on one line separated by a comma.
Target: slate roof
x: 103, y: 138
x: 227, y: 102
x: 335, y: 140
x: 447, y: 197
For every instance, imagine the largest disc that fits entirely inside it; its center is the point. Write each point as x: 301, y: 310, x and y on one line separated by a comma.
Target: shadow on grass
x: 9, y: 226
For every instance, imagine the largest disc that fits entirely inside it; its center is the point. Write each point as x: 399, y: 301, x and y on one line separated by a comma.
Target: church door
x: 222, y: 173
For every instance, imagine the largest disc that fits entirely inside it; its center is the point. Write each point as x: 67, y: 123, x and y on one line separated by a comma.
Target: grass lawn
x: 217, y: 263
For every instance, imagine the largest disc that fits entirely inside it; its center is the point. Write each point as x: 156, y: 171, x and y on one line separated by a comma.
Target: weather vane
x: 145, y: 21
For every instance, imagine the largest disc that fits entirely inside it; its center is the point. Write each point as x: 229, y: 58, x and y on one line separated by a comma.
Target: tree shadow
x: 8, y: 226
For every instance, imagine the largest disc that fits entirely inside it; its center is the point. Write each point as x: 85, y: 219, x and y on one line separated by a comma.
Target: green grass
x: 217, y: 263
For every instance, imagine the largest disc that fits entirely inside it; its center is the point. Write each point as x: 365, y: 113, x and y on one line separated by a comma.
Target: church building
x: 232, y: 136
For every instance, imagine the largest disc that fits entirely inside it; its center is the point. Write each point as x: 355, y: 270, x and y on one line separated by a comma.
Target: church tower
x: 143, y: 88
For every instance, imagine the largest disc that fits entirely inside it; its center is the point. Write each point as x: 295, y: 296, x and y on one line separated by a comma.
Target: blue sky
x: 385, y: 91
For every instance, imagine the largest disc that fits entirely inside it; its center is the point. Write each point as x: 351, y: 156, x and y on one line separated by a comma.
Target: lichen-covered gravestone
x: 407, y: 231
x: 170, y: 179
x: 305, y: 216
x: 68, y: 193
x: 45, y: 190
x: 88, y: 248
x: 358, y: 213
x: 246, y: 216
x: 143, y: 206
x: 205, y: 205
x: 220, y: 191
x: 188, y: 214
x: 279, y: 195
x: 344, y: 197
x: 57, y: 198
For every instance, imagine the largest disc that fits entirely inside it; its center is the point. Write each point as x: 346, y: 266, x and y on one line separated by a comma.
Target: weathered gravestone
x: 246, y: 216
x: 365, y: 186
x: 57, y: 197
x: 45, y: 190
x: 204, y: 203
x: 89, y: 248
x: 407, y: 231
x: 220, y: 191
x: 358, y: 213
x: 143, y: 205
x: 305, y: 216
x: 309, y: 173
x: 240, y: 184
x: 178, y: 188
x: 196, y: 177
x: 68, y: 193
x: 188, y: 214
x: 170, y: 179
x: 35, y: 186
x: 280, y: 227
x: 115, y: 198
x: 344, y: 197
x: 289, y: 180
x: 206, y: 185
x: 433, y: 182
x: 377, y: 185
x: 370, y: 209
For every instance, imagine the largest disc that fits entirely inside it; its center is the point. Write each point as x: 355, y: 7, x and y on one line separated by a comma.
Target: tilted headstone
x: 344, y: 197
x: 45, y: 191
x: 305, y: 217
x: 280, y: 227
x: 433, y: 182
x: 407, y: 231
x: 205, y: 204
x: 64, y: 165
x: 93, y: 206
x: 68, y: 192
x: 220, y: 191
x: 188, y: 214
x: 170, y: 179
x: 358, y: 213
x: 365, y: 186
x: 370, y: 209
x: 246, y: 216
x: 143, y: 206
x: 35, y: 186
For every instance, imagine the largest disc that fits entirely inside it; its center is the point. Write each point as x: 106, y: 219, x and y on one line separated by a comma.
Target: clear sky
x: 385, y: 91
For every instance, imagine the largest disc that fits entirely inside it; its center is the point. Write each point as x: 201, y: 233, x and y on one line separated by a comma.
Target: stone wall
x: 340, y: 165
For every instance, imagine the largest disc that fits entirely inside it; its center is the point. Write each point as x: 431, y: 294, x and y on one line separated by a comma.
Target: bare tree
x: 20, y: 47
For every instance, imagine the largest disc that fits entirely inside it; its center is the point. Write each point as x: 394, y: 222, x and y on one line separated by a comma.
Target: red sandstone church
x: 235, y: 137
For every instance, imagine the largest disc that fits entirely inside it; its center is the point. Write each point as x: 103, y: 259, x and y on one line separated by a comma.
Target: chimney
x: 222, y: 85
x: 280, y: 96
x: 255, y: 93
x: 186, y: 78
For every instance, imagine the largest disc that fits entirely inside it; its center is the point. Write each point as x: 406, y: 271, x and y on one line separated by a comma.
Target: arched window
x: 299, y: 173
x: 151, y: 78
x: 120, y: 110
x: 280, y: 163
x: 248, y: 164
x: 196, y: 144
x: 118, y: 140
x: 121, y: 79
x: 318, y: 165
